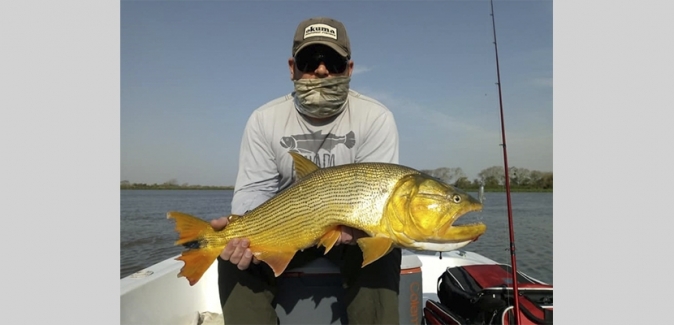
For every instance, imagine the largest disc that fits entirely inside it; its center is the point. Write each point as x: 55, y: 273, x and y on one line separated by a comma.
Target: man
x: 331, y: 125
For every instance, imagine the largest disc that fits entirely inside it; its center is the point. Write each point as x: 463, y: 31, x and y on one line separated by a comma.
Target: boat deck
x: 209, y: 318
x: 156, y: 295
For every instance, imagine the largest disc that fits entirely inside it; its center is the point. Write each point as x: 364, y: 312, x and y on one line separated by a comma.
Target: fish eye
x: 456, y: 198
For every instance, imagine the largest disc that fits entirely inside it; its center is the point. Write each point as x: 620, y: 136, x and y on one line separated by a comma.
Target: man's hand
x: 350, y: 235
x: 236, y: 251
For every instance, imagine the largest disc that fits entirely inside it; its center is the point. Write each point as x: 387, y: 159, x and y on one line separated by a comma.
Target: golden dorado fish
x: 395, y: 205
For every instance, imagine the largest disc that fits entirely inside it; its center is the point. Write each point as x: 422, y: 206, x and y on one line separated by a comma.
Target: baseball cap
x: 322, y: 30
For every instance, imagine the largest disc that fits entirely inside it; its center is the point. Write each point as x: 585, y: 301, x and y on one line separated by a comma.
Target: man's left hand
x: 350, y: 235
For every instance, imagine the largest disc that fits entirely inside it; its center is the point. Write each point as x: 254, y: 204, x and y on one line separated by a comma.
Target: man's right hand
x: 236, y: 251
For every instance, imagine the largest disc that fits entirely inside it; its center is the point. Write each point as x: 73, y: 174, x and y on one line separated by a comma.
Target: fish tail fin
x: 197, y: 263
x: 199, y: 256
x: 188, y: 227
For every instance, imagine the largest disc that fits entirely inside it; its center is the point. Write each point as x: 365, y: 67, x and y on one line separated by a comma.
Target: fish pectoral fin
x: 374, y: 248
x: 277, y: 260
x: 331, y: 237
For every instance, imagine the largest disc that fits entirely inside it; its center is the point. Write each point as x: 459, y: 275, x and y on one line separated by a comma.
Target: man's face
x: 318, y: 61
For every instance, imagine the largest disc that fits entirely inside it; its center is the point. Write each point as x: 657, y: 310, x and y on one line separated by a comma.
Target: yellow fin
x: 374, y: 248
x: 303, y: 166
x: 277, y: 260
x: 198, y: 259
x: 329, y: 239
x: 189, y: 228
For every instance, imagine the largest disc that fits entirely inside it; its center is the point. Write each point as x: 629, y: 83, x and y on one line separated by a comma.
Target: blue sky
x: 192, y: 72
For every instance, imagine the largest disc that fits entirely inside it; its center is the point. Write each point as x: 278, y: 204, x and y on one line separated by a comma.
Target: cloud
x: 357, y: 69
x: 438, y: 120
x: 433, y: 136
x: 542, y: 82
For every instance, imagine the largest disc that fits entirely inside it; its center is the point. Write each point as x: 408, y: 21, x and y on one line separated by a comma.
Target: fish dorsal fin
x: 303, y: 166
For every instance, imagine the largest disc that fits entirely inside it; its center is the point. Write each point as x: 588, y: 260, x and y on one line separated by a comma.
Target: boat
x: 156, y: 295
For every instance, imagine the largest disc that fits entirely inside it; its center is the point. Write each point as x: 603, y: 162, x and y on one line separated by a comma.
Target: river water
x: 147, y: 236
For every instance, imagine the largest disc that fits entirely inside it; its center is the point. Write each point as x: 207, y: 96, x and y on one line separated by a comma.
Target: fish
x: 395, y: 205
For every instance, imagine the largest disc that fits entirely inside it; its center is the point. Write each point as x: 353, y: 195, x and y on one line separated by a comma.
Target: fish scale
x: 396, y: 206
x: 328, y: 203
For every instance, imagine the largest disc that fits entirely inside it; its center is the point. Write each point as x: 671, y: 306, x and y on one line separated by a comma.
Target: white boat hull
x: 156, y: 295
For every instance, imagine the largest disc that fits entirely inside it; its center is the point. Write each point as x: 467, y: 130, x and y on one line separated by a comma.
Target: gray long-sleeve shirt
x: 364, y: 131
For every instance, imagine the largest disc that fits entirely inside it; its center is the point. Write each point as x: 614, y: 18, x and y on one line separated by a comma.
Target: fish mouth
x: 460, y: 230
x: 454, y: 233
x: 453, y: 236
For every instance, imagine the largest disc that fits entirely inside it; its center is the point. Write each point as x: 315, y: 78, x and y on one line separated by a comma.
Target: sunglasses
x: 309, y: 59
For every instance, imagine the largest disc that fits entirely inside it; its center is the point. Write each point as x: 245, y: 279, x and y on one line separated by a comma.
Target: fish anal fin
x: 303, y: 166
x: 374, y: 248
x: 331, y: 237
x: 277, y: 260
x: 197, y: 261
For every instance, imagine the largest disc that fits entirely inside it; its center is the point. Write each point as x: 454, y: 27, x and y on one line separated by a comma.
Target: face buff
x: 323, y: 97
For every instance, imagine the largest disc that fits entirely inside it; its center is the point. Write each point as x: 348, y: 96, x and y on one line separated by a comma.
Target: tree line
x: 170, y: 185
x: 493, y: 179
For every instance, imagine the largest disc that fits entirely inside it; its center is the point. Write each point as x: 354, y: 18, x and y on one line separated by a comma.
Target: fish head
x: 426, y: 210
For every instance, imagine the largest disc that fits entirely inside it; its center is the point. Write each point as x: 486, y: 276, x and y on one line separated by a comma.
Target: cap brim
x: 332, y: 45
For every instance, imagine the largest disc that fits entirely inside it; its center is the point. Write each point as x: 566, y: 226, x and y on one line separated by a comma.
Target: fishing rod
x: 507, y: 177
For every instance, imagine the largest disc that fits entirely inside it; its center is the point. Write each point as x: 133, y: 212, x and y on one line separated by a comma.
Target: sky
x: 193, y: 71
